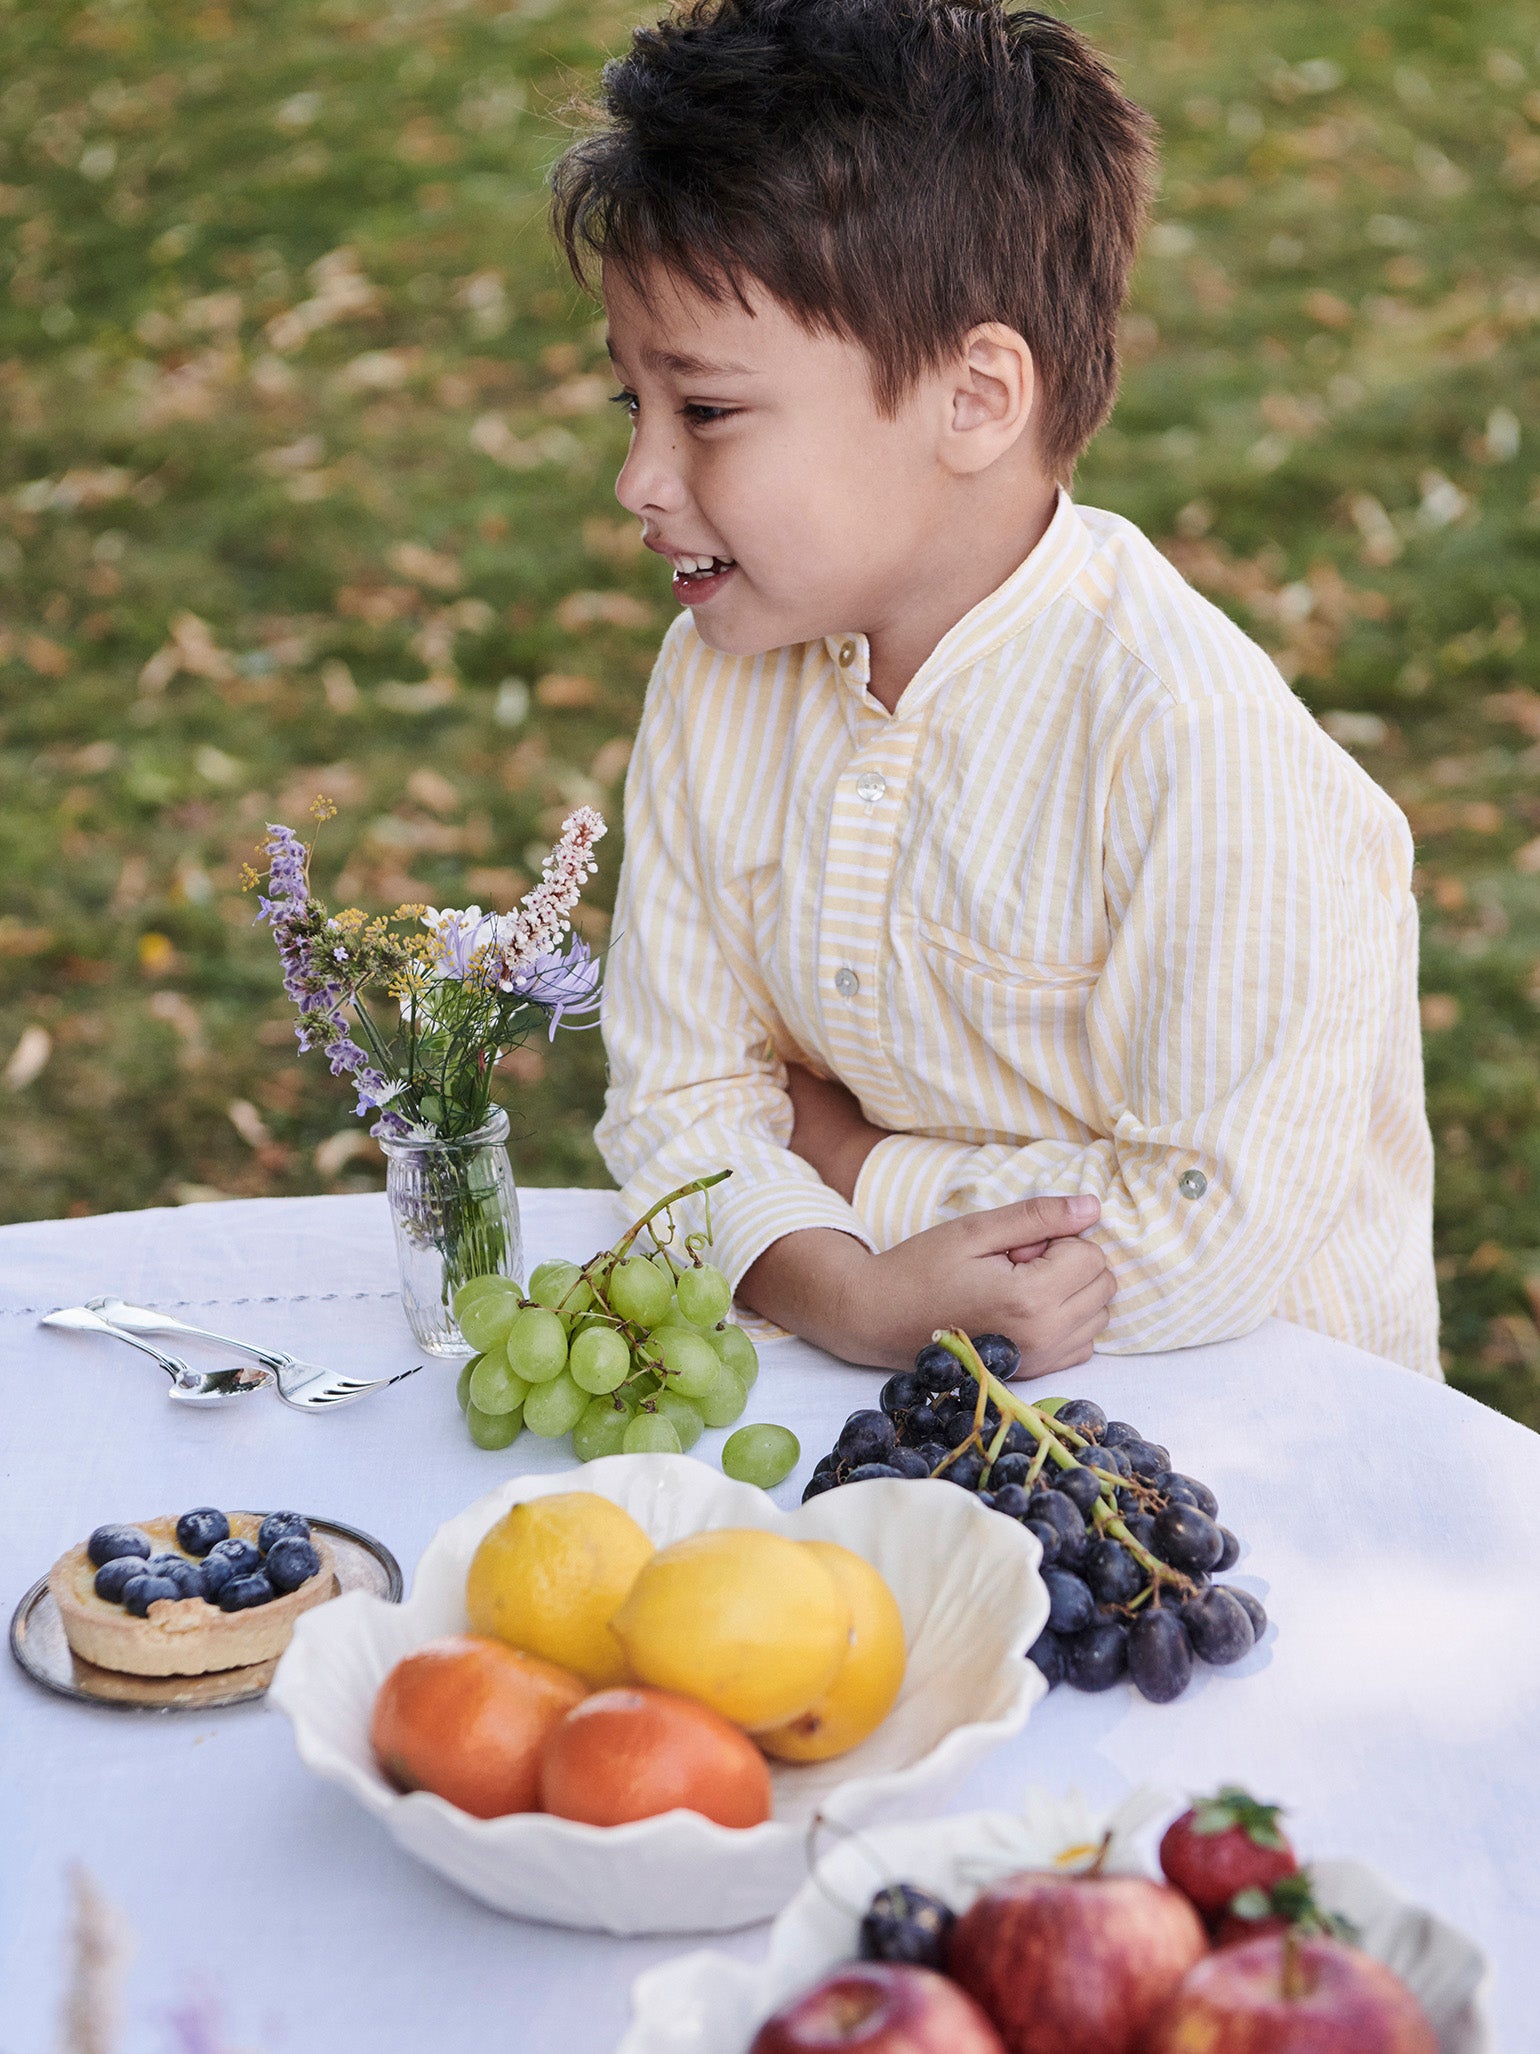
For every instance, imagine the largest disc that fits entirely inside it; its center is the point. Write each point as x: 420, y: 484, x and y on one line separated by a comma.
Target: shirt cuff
x: 747, y: 1221
x: 903, y: 1184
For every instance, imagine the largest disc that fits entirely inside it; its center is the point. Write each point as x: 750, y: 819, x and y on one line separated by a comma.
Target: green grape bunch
x: 631, y: 1352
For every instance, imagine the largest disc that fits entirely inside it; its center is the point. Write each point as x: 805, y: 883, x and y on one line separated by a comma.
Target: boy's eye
x: 628, y: 400
x: 699, y: 416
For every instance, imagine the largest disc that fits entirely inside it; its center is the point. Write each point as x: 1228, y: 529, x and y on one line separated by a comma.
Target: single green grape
x: 492, y: 1429
x: 537, y: 1345
x: 761, y: 1454
x: 488, y: 1316
x: 690, y: 1359
x: 685, y: 1417
x: 725, y: 1401
x: 651, y: 1434
x: 704, y: 1295
x: 495, y: 1388
x: 463, y: 1387
x: 554, y: 1408
x: 738, y: 1352
x: 563, y: 1287
x: 637, y: 1293
x: 490, y: 1285
x: 599, y: 1360
x: 601, y: 1430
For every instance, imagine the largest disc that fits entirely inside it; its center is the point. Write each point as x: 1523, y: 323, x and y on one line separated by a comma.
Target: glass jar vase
x: 456, y: 1216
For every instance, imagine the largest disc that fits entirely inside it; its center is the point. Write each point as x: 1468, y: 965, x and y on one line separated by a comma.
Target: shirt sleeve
x: 1256, y: 886
x: 695, y: 1083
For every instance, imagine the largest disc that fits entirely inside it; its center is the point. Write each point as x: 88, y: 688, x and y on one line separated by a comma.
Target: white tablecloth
x: 1393, y: 1528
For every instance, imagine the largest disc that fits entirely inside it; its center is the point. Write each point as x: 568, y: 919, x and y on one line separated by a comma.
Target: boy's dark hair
x: 893, y: 171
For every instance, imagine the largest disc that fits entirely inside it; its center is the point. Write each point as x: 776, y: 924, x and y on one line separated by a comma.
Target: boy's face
x: 760, y: 466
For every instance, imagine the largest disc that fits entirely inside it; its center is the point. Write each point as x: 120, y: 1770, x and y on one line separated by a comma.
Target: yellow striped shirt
x: 1098, y: 908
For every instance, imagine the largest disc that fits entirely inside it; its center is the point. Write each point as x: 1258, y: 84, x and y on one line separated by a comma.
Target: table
x: 1393, y: 1528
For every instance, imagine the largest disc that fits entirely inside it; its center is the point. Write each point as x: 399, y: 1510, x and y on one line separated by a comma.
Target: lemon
x: 548, y: 1577
x: 868, y: 1680
x: 744, y: 1621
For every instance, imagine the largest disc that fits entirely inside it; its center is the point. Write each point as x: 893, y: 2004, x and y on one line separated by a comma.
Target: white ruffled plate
x: 972, y: 1600
x: 709, y: 2004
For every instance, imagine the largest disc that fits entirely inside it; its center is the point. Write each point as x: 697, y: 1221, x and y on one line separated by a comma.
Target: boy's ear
x: 991, y: 398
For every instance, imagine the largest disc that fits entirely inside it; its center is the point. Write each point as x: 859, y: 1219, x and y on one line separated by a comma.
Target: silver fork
x: 188, y: 1386
x: 304, y: 1385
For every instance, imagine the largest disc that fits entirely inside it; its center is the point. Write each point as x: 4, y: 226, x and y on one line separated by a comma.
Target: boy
x: 973, y: 859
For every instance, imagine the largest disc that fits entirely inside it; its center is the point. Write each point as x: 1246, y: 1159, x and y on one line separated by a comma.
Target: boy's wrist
x: 819, y: 1284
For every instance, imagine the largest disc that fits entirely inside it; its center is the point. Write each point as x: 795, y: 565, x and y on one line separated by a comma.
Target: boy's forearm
x: 812, y: 1283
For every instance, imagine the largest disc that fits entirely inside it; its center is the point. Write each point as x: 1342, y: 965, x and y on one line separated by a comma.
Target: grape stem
x: 1048, y: 1430
x: 685, y: 1191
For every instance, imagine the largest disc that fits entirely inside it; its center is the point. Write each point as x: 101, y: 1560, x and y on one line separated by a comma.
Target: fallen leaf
x: 614, y: 609
x: 29, y: 1058
x: 248, y: 1123
x: 431, y: 789
x: 1440, y: 1010
x: 425, y: 566
x: 48, y: 659
x: 560, y: 689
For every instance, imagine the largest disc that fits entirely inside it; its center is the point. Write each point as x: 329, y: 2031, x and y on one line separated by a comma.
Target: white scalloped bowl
x: 711, y: 2004
x: 972, y: 1599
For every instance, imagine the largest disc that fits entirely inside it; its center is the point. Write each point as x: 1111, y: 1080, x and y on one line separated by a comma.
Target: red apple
x: 1074, y: 1964
x: 1295, y: 1995
x: 880, y: 2007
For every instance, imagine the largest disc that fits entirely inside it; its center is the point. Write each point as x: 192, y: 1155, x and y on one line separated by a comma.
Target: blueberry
x: 816, y: 1485
x: 899, y: 1393
x: 1084, y: 1417
x: 198, y: 1530
x: 1070, y: 1604
x: 1219, y: 1626
x: 1048, y: 1539
x: 1187, y: 1538
x: 936, y: 1368
x: 904, y: 1924
x: 114, y: 1577
x: 214, y: 1572
x: 1047, y: 1651
x: 866, y: 1437
x: 965, y: 1471
x: 279, y: 1526
x: 909, y: 1462
x: 142, y: 1591
x: 873, y: 1472
x: 1001, y: 1357
x: 1079, y: 1486
x: 178, y: 1570
x: 1010, y: 1468
x: 1096, y: 1658
x: 1010, y: 1498
x: 1252, y: 1607
x: 291, y: 1562
x: 242, y: 1592
x: 243, y: 1555
x: 109, y: 1542
x: 1112, y: 1573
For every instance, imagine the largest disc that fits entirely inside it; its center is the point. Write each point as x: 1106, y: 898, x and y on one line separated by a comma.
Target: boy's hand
x: 882, y: 1309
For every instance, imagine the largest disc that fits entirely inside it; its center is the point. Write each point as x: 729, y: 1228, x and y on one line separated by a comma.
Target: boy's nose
x: 649, y: 480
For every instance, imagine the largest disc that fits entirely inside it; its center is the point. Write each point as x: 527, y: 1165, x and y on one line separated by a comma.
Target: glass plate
x: 39, y: 1645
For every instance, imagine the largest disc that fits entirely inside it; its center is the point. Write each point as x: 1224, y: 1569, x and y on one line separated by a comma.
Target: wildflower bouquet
x: 417, y: 1007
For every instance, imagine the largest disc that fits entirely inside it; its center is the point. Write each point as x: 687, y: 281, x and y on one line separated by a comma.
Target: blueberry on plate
x: 109, y: 1542
x: 142, y: 1591
x: 904, y: 1924
x: 177, y: 1570
x: 114, y: 1577
x: 279, y: 1526
x: 243, y: 1555
x: 242, y: 1592
x: 197, y: 1531
x: 291, y: 1562
x: 214, y: 1572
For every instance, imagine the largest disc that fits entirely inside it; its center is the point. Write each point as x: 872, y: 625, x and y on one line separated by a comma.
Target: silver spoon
x: 188, y: 1386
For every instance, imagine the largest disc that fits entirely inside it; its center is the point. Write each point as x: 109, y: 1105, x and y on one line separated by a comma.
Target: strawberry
x: 1226, y: 1844
x: 1291, y: 1903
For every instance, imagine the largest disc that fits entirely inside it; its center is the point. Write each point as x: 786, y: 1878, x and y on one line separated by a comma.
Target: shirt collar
x: 1035, y: 583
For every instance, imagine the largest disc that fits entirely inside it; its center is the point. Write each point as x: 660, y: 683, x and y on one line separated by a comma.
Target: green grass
x: 381, y: 522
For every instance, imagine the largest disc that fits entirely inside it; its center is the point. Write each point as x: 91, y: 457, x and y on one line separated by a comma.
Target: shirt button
x: 847, y: 654
x: 846, y: 982
x: 870, y: 786
x: 1192, y: 1183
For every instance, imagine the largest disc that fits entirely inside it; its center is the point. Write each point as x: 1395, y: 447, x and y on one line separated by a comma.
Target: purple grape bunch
x: 1130, y: 1546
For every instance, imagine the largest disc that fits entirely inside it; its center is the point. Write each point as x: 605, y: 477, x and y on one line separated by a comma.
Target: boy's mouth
x: 698, y: 578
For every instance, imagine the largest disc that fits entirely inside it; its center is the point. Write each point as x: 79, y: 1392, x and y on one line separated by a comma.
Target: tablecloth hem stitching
x: 176, y: 1304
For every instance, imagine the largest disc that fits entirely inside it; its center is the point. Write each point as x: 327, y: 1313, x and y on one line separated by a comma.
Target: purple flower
x: 562, y: 984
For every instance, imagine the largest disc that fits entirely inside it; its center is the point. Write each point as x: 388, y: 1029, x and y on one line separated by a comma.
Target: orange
x: 466, y: 1718
x: 632, y: 1753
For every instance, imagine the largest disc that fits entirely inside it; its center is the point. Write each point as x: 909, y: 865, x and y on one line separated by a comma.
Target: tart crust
x: 179, y: 1636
